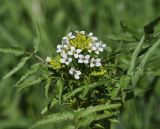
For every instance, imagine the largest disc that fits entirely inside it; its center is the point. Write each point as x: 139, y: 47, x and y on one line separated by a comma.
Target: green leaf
x: 51, y: 104
x: 87, y: 120
x: 77, y: 90
x: 12, y: 50
x: 149, y: 28
x: 134, y: 57
x: 54, y: 118
x: 116, y: 91
x: 60, y: 87
x: 37, y: 39
x: 29, y: 84
x: 92, y: 109
x: 33, y: 70
x: 83, y: 122
x: 19, y: 66
x: 68, y: 127
x: 144, y: 60
x: 48, y: 83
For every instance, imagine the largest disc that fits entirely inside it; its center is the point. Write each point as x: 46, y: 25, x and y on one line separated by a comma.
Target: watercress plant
x: 85, y: 88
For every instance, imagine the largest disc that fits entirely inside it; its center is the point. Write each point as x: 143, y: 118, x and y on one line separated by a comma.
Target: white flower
x: 74, y: 51
x: 94, y: 38
x: 75, y: 73
x: 90, y: 34
x: 84, y: 59
x: 48, y: 59
x: 65, y: 40
x: 70, y: 35
x: 82, y: 32
x: 95, y: 62
x: 65, y: 59
x: 90, y: 47
x: 98, y: 47
x: 61, y: 48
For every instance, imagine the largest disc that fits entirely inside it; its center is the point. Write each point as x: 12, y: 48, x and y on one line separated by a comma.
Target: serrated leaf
x: 29, y: 84
x: 33, y: 70
x: 19, y: 66
x: 48, y: 83
x: 54, y: 118
x: 12, y: 50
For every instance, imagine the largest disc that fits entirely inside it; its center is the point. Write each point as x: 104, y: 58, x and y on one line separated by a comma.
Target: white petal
x: 97, y: 52
x: 59, y: 50
x: 94, y: 38
x: 94, y: 48
x: 72, y: 37
x: 70, y: 52
x: 80, y: 61
x: 76, y: 31
x: 78, y: 50
x: 98, y: 60
x: 76, y: 76
x: 72, y: 48
x: 71, y: 71
x: 78, y: 72
x: 48, y: 59
x: 65, y: 42
x: 62, y: 60
x: 90, y: 44
x: 98, y: 44
x: 90, y: 34
x: 69, y: 59
x: 101, y: 49
x: 98, y: 64
x: 59, y: 46
x: 87, y: 56
x: 81, y: 56
x: 86, y: 61
x: 103, y: 45
x: 70, y: 34
x: 64, y: 38
x: 91, y: 65
x: 92, y: 59
x: 76, y: 55
x: 66, y: 46
x: 64, y: 55
x: 83, y: 32
x: 89, y: 51
x: 67, y: 63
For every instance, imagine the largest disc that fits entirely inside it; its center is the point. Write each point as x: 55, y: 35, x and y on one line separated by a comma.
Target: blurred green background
x: 19, y: 110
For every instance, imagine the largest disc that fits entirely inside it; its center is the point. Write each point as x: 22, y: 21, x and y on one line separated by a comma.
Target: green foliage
x: 12, y: 50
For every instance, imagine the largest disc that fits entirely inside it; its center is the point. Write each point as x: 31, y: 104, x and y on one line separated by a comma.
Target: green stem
x: 36, y: 56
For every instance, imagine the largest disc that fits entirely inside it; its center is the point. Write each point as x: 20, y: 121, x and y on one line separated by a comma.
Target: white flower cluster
x: 89, y: 55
